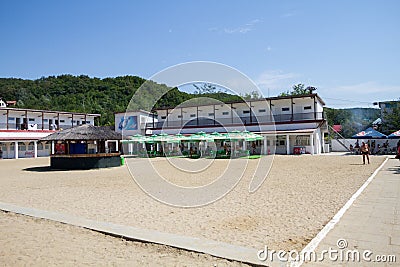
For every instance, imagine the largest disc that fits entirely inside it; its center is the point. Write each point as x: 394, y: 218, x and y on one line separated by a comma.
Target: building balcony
x: 35, y: 127
x: 244, y: 120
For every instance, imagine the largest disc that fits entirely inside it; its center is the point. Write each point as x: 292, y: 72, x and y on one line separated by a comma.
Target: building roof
x: 253, y: 100
x: 84, y: 132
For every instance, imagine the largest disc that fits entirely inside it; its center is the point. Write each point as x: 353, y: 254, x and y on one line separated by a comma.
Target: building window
x: 225, y: 113
x: 30, y: 146
x: 62, y: 120
x: 302, y: 140
x: 192, y: 115
x: 246, y: 111
x: 45, y: 120
x: 40, y: 146
x: 163, y: 117
x: 11, y: 119
x: 22, y: 146
x: 31, y: 119
x: 47, y: 147
x: 210, y: 114
x: 285, y: 109
x: 261, y: 110
x: 12, y: 147
x: 179, y: 116
x: 307, y: 108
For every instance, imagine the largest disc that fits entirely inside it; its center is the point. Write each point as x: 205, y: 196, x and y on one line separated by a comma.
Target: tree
x: 391, y: 118
x: 299, y: 89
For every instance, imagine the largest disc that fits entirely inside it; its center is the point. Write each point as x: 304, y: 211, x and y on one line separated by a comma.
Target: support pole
x: 312, y: 143
x: 265, y: 145
x: 16, y: 149
x: 52, y: 147
x: 287, y: 145
x: 35, y: 149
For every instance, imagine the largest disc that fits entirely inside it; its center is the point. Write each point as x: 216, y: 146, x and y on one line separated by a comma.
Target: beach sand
x: 300, y: 195
x: 38, y: 242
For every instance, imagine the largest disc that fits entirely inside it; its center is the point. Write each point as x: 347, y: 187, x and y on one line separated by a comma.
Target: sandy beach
x: 301, y: 194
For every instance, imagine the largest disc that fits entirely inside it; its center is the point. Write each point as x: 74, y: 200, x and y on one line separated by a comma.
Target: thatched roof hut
x: 84, y: 132
x: 84, y: 147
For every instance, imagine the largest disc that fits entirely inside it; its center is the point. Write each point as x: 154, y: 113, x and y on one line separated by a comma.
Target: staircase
x: 337, y: 136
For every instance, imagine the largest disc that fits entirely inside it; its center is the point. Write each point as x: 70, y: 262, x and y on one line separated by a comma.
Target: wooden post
x: 197, y: 115
x: 214, y: 115
x: 42, y: 120
x: 7, y: 118
x: 166, y: 117
x: 72, y: 121
x: 251, y: 113
x: 26, y: 120
x: 232, y: 113
x: 181, y: 116
x: 291, y: 100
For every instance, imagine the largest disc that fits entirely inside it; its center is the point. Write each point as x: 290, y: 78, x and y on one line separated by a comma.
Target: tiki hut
x: 84, y: 147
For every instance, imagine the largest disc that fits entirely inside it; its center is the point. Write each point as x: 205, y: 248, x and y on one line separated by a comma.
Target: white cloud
x: 287, y: 15
x: 247, y: 27
x: 238, y: 30
x: 276, y: 81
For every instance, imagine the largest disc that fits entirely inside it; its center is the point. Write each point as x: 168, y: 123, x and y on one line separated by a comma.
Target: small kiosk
x: 84, y: 147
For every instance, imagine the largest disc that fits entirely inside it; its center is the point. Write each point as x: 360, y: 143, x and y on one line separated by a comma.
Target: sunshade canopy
x: 369, y: 133
x: 395, y: 134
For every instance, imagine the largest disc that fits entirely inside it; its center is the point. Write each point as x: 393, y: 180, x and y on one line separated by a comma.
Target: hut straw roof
x: 84, y: 132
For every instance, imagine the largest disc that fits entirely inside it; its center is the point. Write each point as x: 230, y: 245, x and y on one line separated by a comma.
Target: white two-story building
x: 294, y: 124
x: 20, y: 129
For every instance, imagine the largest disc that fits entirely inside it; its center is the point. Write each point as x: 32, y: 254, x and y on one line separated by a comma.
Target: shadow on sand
x: 41, y: 169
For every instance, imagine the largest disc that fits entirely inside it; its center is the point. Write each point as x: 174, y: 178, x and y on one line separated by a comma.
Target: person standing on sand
x: 364, y: 152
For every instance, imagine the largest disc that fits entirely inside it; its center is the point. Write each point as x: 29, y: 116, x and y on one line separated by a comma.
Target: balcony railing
x: 14, y: 126
x: 245, y: 120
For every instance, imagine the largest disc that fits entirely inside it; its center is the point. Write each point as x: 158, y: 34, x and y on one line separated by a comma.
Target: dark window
x: 179, y: 116
x: 210, y: 114
x: 246, y: 111
x: 30, y: 119
x: 307, y: 107
x: 225, y: 113
x: 285, y: 109
x: 163, y: 117
x: 62, y: 120
x: 192, y: 115
x: 261, y: 110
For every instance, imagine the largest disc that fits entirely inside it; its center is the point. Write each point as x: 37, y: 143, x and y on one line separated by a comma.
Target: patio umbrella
x: 369, y: 133
x: 218, y: 136
x: 394, y: 135
x: 201, y: 136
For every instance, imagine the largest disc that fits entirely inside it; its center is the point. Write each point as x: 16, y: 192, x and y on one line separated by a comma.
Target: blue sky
x: 349, y: 50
